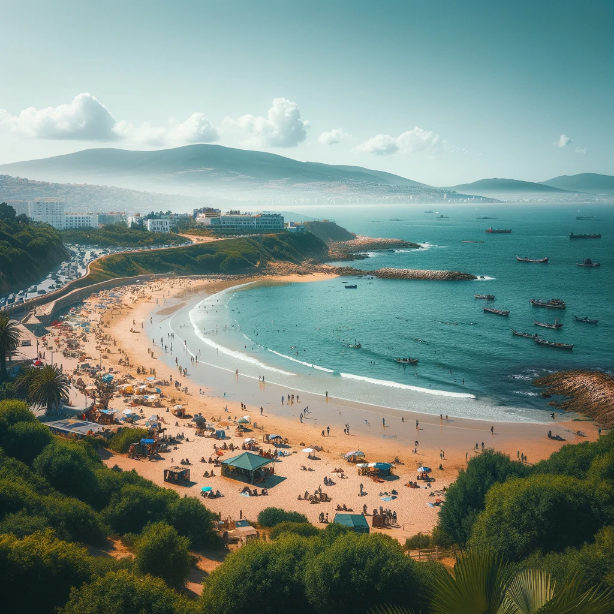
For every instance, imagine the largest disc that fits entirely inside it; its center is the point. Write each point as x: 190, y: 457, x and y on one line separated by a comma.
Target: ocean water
x: 470, y: 364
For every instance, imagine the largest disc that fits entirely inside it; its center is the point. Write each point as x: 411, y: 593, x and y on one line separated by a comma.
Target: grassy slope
x: 119, y: 235
x: 228, y: 256
x: 329, y: 231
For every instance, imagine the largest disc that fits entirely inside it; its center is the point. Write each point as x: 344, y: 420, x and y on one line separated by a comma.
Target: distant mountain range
x: 234, y: 176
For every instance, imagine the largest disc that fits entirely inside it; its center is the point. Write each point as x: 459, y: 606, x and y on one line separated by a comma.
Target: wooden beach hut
x: 247, y: 465
x: 177, y: 475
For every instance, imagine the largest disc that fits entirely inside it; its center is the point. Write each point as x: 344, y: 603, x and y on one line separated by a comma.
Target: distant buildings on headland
x: 51, y: 211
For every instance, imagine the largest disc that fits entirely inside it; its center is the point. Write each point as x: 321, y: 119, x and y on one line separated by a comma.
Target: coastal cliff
x: 588, y: 392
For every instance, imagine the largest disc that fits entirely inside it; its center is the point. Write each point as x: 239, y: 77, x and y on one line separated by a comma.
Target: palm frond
x: 529, y: 591
x: 390, y: 609
x: 572, y: 599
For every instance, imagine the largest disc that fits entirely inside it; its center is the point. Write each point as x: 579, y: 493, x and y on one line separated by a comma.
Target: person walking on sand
x: 328, y: 430
x: 384, y: 422
x: 282, y: 400
x: 492, y: 430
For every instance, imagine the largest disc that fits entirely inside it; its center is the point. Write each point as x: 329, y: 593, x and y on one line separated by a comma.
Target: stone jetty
x: 423, y: 274
x: 355, y: 248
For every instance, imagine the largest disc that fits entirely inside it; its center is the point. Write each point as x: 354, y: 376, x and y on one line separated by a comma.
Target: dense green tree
x: 68, y: 468
x: 12, y: 412
x: 123, y: 592
x: 260, y: 576
x: 271, y: 516
x: 38, y: 571
x: 9, y: 340
x: 73, y: 520
x: 26, y: 440
x: 358, y: 572
x: 121, y: 440
x: 193, y: 520
x: 49, y: 388
x: 465, y: 497
x: 541, y: 512
x: 22, y: 524
x: 162, y: 552
x: 135, y: 506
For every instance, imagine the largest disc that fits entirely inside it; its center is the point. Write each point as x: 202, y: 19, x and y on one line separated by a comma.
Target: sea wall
x: 423, y: 274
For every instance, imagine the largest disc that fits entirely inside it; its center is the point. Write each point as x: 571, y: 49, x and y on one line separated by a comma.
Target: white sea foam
x: 382, y: 382
x: 307, y: 364
x: 485, y: 278
x: 223, y: 349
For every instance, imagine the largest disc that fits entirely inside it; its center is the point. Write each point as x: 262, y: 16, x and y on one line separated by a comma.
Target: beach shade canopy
x: 178, y: 407
x: 37, y: 363
x: 147, y: 441
x: 424, y: 469
x: 275, y: 437
x: 249, y: 440
x: 245, y: 464
x: 244, y: 420
x: 356, y: 522
x: 151, y: 378
x: 199, y: 419
x: 384, y: 466
x: 308, y: 450
x: 362, y: 465
x: 355, y: 453
x: 206, y: 489
x: 106, y: 378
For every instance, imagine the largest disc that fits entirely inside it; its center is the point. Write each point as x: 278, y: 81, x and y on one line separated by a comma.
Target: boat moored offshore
x: 487, y: 297
x: 498, y: 231
x: 593, y: 236
x: 499, y: 312
x: 406, y: 361
x: 526, y: 259
x: 553, y: 344
x: 553, y: 303
x: 519, y: 334
x: 556, y: 324
x: 586, y: 320
x: 588, y: 263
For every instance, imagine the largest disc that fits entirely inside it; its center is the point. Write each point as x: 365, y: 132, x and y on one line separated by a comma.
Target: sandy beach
x: 383, y: 434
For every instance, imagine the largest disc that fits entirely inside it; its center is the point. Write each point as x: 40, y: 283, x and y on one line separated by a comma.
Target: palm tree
x: 483, y: 583
x: 9, y: 341
x: 49, y: 387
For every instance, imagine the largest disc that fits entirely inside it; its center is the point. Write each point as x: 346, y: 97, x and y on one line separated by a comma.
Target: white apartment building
x: 80, y: 220
x: 158, y: 225
x: 47, y: 211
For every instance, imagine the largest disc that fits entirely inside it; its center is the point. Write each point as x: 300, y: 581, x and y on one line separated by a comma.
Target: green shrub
x: 272, y: 516
x: 418, y: 541
x: 266, y: 577
x: 122, y: 592
x: 304, y: 529
x: 541, y: 512
x: 193, y: 520
x: 162, y: 552
x: 26, y: 440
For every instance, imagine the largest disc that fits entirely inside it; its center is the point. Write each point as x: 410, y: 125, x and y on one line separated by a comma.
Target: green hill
x: 28, y: 251
x: 329, y: 231
x: 504, y: 185
x: 591, y: 183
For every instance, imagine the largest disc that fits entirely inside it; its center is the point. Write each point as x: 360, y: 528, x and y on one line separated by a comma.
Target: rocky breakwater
x: 422, y: 274
x: 355, y: 248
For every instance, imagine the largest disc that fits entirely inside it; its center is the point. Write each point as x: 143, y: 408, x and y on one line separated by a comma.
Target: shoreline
x: 456, y: 437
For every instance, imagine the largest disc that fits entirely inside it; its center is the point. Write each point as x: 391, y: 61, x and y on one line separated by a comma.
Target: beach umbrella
x: 424, y: 469
x: 244, y: 420
x: 37, y: 363
x: 178, y: 407
x: 308, y: 450
x: 249, y: 440
x: 354, y: 453
x: 149, y: 379
x: 275, y: 437
x: 199, y: 419
x: 206, y: 489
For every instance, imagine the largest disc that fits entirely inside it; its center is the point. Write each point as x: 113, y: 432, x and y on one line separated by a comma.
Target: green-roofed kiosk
x: 356, y: 522
x: 247, y: 465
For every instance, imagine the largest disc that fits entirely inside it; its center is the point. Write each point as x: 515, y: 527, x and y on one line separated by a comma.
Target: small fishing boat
x: 472, y: 241
x: 406, y: 361
x: 541, y: 260
x: 488, y: 297
x: 552, y: 344
x: 586, y: 320
x: 499, y: 312
x: 351, y: 287
x: 485, y: 217
x: 498, y: 231
x: 593, y: 236
x: 556, y: 324
x: 519, y: 334
x: 428, y: 212
x: 355, y: 345
x: 554, y: 303
x: 588, y: 263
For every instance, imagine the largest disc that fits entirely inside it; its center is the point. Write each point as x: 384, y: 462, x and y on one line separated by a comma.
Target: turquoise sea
x: 470, y: 364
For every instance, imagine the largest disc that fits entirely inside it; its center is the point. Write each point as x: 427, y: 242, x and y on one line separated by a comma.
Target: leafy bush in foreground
x: 272, y: 516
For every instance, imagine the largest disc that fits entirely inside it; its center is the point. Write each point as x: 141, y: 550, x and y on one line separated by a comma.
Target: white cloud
x: 282, y: 127
x: 332, y: 137
x: 85, y: 118
x: 196, y: 129
x: 410, y: 142
x: 563, y: 141
x: 580, y: 150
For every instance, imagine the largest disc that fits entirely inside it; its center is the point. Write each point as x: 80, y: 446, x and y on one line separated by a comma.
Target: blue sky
x: 440, y: 91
